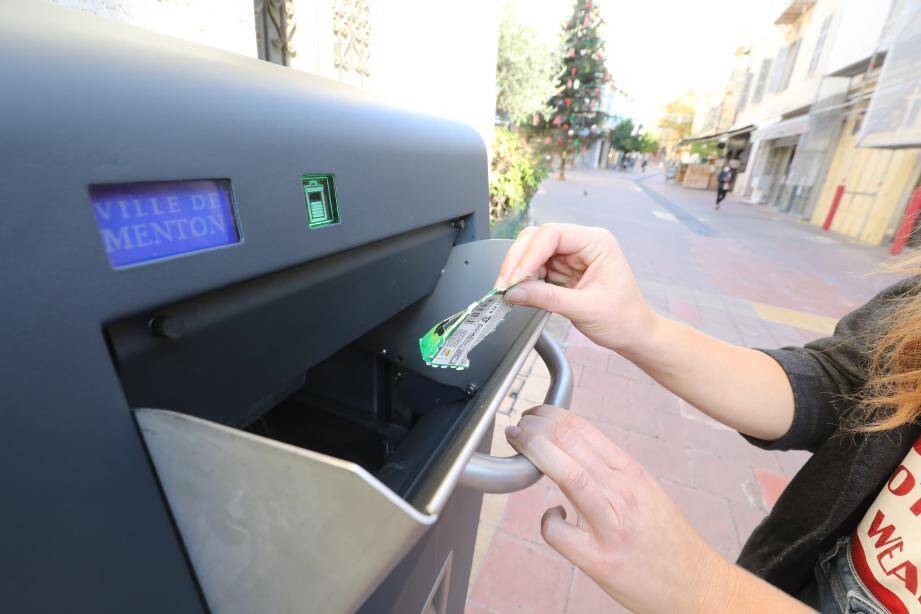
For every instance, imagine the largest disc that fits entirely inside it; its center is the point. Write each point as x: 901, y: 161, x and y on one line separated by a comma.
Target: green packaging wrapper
x: 448, y: 343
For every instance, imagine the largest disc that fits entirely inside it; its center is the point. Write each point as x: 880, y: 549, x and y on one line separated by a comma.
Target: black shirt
x: 831, y: 493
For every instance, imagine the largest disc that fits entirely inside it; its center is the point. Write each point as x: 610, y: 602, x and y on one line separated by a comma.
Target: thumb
x: 546, y: 296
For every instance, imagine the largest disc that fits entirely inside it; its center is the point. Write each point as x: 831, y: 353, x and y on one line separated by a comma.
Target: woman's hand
x: 583, y: 275
x: 629, y: 537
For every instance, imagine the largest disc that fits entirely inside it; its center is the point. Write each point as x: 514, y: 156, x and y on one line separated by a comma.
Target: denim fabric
x: 840, y: 590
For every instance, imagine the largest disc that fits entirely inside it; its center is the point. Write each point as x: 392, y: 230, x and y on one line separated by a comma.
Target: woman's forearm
x: 743, y: 388
x: 732, y: 589
x: 584, y: 276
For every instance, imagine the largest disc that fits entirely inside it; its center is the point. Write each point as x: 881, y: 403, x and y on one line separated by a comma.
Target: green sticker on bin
x: 320, y: 194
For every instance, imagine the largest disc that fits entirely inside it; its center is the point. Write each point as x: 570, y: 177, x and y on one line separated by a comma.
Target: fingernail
x: 516, y: 295
x: 512, y: 432
x: 562, y: 511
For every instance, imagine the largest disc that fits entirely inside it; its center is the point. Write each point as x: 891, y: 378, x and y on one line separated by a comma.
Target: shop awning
x: 794, y: 10
x: 721, y: 137
x: 740, y: 131
x: 699, y: 139
x: 781, y: 129
x: 893, y: 120
x: 860, y: 66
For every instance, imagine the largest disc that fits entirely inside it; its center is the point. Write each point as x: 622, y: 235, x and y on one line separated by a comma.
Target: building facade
x: 871, y: 177
x: 674, y: 122
x: 713, y: 141
x: 783, y: 82
x: 813, y: 75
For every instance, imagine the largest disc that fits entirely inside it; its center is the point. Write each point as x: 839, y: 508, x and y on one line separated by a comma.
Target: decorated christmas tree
x: 575, y: 121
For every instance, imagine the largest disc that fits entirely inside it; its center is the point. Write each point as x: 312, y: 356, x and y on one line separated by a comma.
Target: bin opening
x: 231, y: 354
x: 360, y: 407
x: 324, y: 357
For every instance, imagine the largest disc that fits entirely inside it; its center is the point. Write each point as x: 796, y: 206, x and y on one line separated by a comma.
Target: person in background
x: 723, y: 180
x: 845, y: 535
x: 643, y: 164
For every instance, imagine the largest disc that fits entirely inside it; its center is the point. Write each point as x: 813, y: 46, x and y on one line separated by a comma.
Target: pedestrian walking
x: 643, y: 164
x: 845, y: 534
x: 723, y: 180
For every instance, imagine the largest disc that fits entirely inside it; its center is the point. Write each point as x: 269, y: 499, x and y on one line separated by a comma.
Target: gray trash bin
x: 215, y: 272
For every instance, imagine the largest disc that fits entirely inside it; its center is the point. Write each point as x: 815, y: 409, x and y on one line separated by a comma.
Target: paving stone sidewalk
x: 744, y: 274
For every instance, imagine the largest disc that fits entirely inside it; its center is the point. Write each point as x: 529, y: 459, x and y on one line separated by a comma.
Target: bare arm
x: 588, y: 280
x: 745, y: 592
x: 743, y: 388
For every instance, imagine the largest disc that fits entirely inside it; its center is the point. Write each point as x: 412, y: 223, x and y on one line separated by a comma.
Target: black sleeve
x: 827, y: 374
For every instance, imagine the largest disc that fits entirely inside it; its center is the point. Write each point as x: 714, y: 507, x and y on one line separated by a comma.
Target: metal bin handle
x: 493, y: 474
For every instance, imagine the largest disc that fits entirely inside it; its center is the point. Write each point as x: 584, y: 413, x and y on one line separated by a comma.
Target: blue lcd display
x: 141, y: 222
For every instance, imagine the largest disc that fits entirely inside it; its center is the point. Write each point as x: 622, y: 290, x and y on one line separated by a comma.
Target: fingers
x: 613, y: 456
x: 552, y: 239
x: 571, y: 434
x: 556, y: 278
x: 510, y: 262
x: 570, y: 441
x: 558, y: 265
x: 573, y: 479
x: 543, y: 295
x: 570, y: 541
x: 534, y: 246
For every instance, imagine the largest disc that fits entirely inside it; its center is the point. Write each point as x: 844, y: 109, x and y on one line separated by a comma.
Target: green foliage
x: 514, y: 176
x: 524, y: 71
x: 706, y: 150
x: 649, y: 144
x: 624, y: 137
x: 576, y: 121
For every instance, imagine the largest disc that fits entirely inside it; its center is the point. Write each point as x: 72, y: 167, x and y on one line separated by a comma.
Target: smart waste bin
x: 214, y: 275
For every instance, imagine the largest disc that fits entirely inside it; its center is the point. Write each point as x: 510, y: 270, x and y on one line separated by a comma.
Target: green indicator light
x: 320, y: 193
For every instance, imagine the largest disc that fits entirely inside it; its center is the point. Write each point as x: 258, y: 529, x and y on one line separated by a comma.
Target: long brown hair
x: 892, y: 395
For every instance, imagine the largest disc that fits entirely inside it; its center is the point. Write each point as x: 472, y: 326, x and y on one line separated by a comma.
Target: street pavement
x: 745, y: 274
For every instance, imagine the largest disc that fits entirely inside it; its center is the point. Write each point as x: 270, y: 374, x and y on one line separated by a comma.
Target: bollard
x: 835, y: 201
x: 907, y: 224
